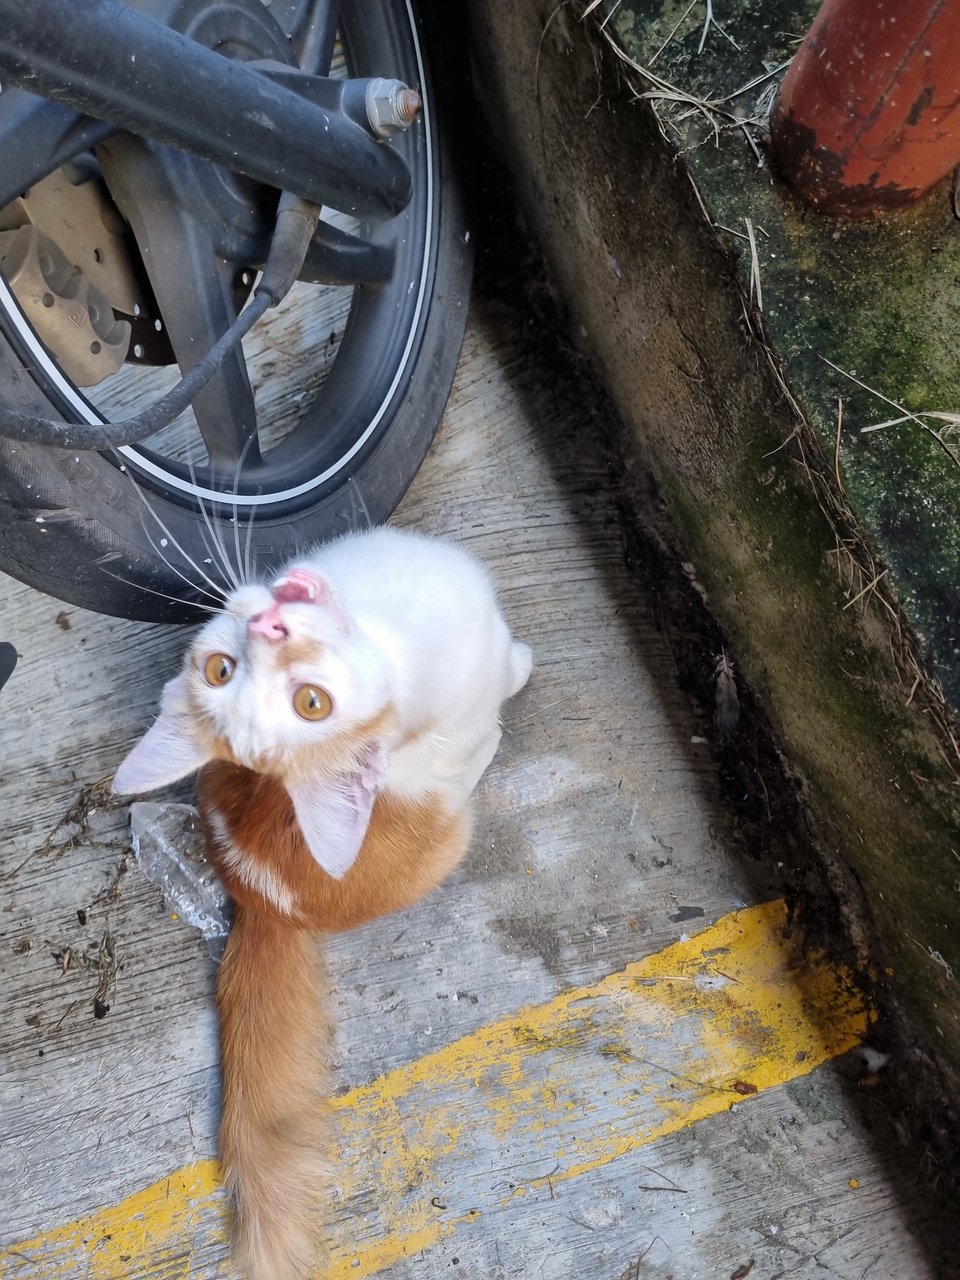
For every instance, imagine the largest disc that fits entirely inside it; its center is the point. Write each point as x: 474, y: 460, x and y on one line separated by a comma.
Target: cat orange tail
x: 274, y: 1045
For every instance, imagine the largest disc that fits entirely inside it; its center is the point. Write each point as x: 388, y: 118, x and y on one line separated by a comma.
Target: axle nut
x: 391, y: 106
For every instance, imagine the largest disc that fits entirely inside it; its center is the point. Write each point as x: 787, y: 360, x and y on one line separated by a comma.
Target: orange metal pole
x: 868, y: 117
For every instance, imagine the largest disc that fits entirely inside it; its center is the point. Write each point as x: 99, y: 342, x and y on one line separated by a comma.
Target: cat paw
x: 520, y: 666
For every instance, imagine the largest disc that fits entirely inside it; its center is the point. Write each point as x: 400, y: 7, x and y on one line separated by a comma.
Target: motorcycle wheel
x: 153, y: 531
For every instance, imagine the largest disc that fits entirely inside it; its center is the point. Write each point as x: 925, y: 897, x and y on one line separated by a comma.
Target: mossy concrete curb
x: 660, y: 305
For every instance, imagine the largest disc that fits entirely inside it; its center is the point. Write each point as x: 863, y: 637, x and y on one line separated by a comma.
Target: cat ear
x: 168, y: 750
x: 334, y: 813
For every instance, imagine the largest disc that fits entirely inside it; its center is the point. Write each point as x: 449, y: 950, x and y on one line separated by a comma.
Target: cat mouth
x: 297, y: 586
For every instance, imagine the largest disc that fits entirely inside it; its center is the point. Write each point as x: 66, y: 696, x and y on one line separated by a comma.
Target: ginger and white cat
x: 341, y: 719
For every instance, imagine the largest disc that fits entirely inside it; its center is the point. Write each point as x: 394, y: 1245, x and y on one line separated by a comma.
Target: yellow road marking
x: 555, y: 1091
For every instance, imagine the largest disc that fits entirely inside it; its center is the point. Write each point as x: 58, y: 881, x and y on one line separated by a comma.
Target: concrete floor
x: 514, y: 1098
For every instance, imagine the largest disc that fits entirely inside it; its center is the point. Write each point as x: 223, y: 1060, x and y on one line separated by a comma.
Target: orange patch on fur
x: 408, y: 849
x: 294, y: 652
x: 274, y: 1029
x: 275, y: 1039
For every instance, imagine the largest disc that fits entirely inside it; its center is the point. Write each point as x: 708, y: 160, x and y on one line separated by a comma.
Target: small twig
x: 112, y: 891
x: 66, y: 1013
x: 670, y: 1184
x: 836, y: 447
x: 22, y: 1257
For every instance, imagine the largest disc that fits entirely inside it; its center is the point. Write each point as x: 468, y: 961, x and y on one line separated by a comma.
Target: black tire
x: 73, y: 525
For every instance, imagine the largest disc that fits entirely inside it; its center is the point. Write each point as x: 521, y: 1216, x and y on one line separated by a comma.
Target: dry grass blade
x: 871, y: 586
x: 757, y: 80
x: 706, y: 27
x: 683, y: 19
x: 700, y: 200
x: 739, y: 234
x: 906, y: 415
x: 710, y: 21
x: 611, y: 13
x: 727, y: 36
x: 756, y: 290
x: 712, y: 110
x: 745, y: 129
x: 952, y: 419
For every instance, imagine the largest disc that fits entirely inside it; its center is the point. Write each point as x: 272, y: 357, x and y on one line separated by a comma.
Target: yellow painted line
x: 547, y: 1094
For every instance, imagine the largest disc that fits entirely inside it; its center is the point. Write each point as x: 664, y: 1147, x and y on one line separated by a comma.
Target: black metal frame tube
x: 111, y: 62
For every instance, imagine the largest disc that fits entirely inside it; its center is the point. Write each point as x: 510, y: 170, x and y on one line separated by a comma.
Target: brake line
x: 296, y: 222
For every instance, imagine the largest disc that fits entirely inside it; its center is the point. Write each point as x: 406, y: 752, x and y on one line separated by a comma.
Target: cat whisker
x: 357, y: 494
x: 220, y: 593
x: 213, y: 544
x: 248, y: 546
x: 236, y: 539
x: 236, y: 509
x: 180, y: 574
x: 210, y: 550
x: 194, y: 604
x: 220, y: 555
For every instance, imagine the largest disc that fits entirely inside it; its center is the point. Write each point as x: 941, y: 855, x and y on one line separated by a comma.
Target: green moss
x: 879, y: 298
x: 697, y: 400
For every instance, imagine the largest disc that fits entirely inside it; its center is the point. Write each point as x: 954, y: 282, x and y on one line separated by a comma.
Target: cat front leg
x: 519, y: 666
x: 476, y: 765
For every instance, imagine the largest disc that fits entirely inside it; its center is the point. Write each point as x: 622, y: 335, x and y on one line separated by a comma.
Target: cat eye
x: 218, y: 669
x: 312, y: 703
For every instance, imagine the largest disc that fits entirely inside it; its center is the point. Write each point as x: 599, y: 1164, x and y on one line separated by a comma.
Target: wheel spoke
x: 312, y: 28
x: 193, y: 285
x: 336, y: 257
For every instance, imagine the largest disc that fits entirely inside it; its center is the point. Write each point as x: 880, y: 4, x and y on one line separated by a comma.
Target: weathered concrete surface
x: 657, y: 303
x: 601, y: 843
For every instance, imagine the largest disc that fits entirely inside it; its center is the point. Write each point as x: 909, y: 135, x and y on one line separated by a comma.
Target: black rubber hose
x: 296, y: 223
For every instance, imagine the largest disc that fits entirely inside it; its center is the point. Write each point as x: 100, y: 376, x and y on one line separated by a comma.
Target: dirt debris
x: 60, y: 839
x: 102, y: 958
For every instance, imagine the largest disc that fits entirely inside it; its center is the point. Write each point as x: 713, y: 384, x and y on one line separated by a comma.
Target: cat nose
x: 268, y: 624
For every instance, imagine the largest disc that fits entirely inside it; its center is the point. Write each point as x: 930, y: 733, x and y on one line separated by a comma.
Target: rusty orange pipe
x: 868, y: 116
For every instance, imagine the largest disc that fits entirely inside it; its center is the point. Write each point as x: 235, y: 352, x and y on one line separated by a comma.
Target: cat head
x: 284, y: 683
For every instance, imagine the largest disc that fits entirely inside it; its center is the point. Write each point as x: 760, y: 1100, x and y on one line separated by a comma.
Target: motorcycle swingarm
x: 109, y: 63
